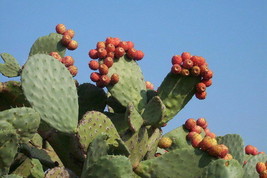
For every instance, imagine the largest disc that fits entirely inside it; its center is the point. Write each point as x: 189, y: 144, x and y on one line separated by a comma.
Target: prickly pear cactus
x: 52, y: 126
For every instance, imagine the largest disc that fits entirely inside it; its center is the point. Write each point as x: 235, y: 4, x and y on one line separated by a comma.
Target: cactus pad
x: 134, y: 119
x: 11, y: 67
x: 250, y: 166
x: 43, y: 80
x: 58, y: 172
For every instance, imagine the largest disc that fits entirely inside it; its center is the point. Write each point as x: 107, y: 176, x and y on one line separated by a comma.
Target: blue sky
x: 231, y: 35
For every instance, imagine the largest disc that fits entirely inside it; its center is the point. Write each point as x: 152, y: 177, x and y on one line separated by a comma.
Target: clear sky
x: 231, y: 35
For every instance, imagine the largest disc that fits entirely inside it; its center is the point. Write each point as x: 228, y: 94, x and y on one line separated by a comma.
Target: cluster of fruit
x: 261, y: 168
x: 187, y: 65
x: 209, y: 142
x: 252, y: 150
x: 106, y: 51
x: 149, y: 85
x: 68, y: 61
x: 67, y: 37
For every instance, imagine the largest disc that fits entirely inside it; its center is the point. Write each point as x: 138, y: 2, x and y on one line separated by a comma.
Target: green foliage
x: 11, y: 67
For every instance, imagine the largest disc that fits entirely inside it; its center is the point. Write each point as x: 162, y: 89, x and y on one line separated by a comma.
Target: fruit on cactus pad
x: 60, y: 28
x: 165, y: 142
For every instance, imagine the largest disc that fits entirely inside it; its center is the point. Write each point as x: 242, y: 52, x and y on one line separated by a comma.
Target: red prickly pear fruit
x: 228, y: 157
x: 176, y: 69
x: 202, y: 122
x: 207, y: 82
x: 139, y: 55
x: 110, y: 47
x: 114, y: 78
x: 261, y: 152
x: 108, y: 61
x: 102, y: 53
x: 149, y: 85
x: 196, y: 129
x: 157, y: 154
x: 100, y: 44
x: 110, y: 40
x: 190, y: 124
x: 119, y: 52
x: 211, y: 134
x: 56, y: 56
x: 111, y: 54
x: 72, y: 45
x: 200, y: 87
x: 196, y: 139
x: 103, y: 69
x: 165, y: 142
x: 249, y: 149
x: 195, y: 71
x: 260, y: 167
x: 198, y: 60
x: 100, y: 84
x: 60, y: 28
x: 207, y: 143
x: 201, y: 95
x: 187, y: 64
x: 263, y: 174
x: 130, y: 44
x: 206, y: 130
x: 190, y: 135
x: 177, y: 59
x: 124, y: 45
x: 131, y: 53
x: 185, y: 72
x: 95, y: 77
x: 65, y: 40
x: 94, y: 65
x: 116, y: 41
x: 105, y: 80
x: 73, y: 70
x: 69, y: 32
x: 218, y: 150
x: 93, y: 54
x: 68, y: 61
x: 203, y: 69
x: 185, y: 55
x: 208, y: 75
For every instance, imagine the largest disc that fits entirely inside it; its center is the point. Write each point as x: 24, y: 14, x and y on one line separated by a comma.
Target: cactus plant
x: 51, y: 126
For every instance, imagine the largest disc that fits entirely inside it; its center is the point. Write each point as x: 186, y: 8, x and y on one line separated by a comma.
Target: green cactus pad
x: 91, y: 125
x: 11, y: 67
x: 59, y: 172
x: 223, y: 168
x: 235, y: 144
x: 134, y: 119
x: 17, y: 125
x: 48, y: 44
x: 11, y: 176
x: 111, y: 166
x: 174, y: 164
x: 119, y: 121
x: 44, y: 79
x: 153, y: 143
x: 150, y: 94
x: 250, y: 166
x: 131, y: 86
x: 115, y: 105
x: 30, y: 168
x: 154, y: 111
x: 137, y: 144
x: 11, y: 95
x: 91, y: 98
x: 175, y: 92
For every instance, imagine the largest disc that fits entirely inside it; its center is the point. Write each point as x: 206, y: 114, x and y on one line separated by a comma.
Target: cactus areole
x: 52, y: 126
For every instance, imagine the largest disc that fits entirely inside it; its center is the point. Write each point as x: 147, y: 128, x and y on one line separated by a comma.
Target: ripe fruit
x: 218, y: 150
x: 195, y: 71
x: 207, y: 82
x: 108, y: 61
x: 190, y: 135
x: 56, y: 56
x: 111, y: 54
x: 202, y: 122
x: 60, y: 28
x: 104, y: 79
x: 176, y: 69
x: 200, y: 87
x: 116, y: 41
x: 124, y: 45
x: 207, y: 143
x: 165, y: 142
x: 260, y: 167
x: 149, y: 85
x: 114, y: 78
x: 130, y: 44
x: 190, y: 124
x: 110, y: 47
x: 187, y: 64
x: 186, y: 55
x: 95, y: 77
x: 103, y: 69
x: 93, y: 54
x: 73, y: 70
x: 68, y: 61
x: 66, y: 39
x: 208, y: 75
x: 249, y: 149
x: 185, y: 72
x: 72, y: 45
x: 197, y: 129
x: 131, y: 53
x: 228, y: 157
x: 263, y: 174
x: 102, y: 53
x: 110, y: 40
x: 139, y: 55
x: 69, y: 32
x: 201, y: 95
x: 100, y: 44
x: 196, y: 139
x: 211, y: 134
x: 119, y: 52
x: 177, y: 59
x: 203, y: 69
x: 94, y: 65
